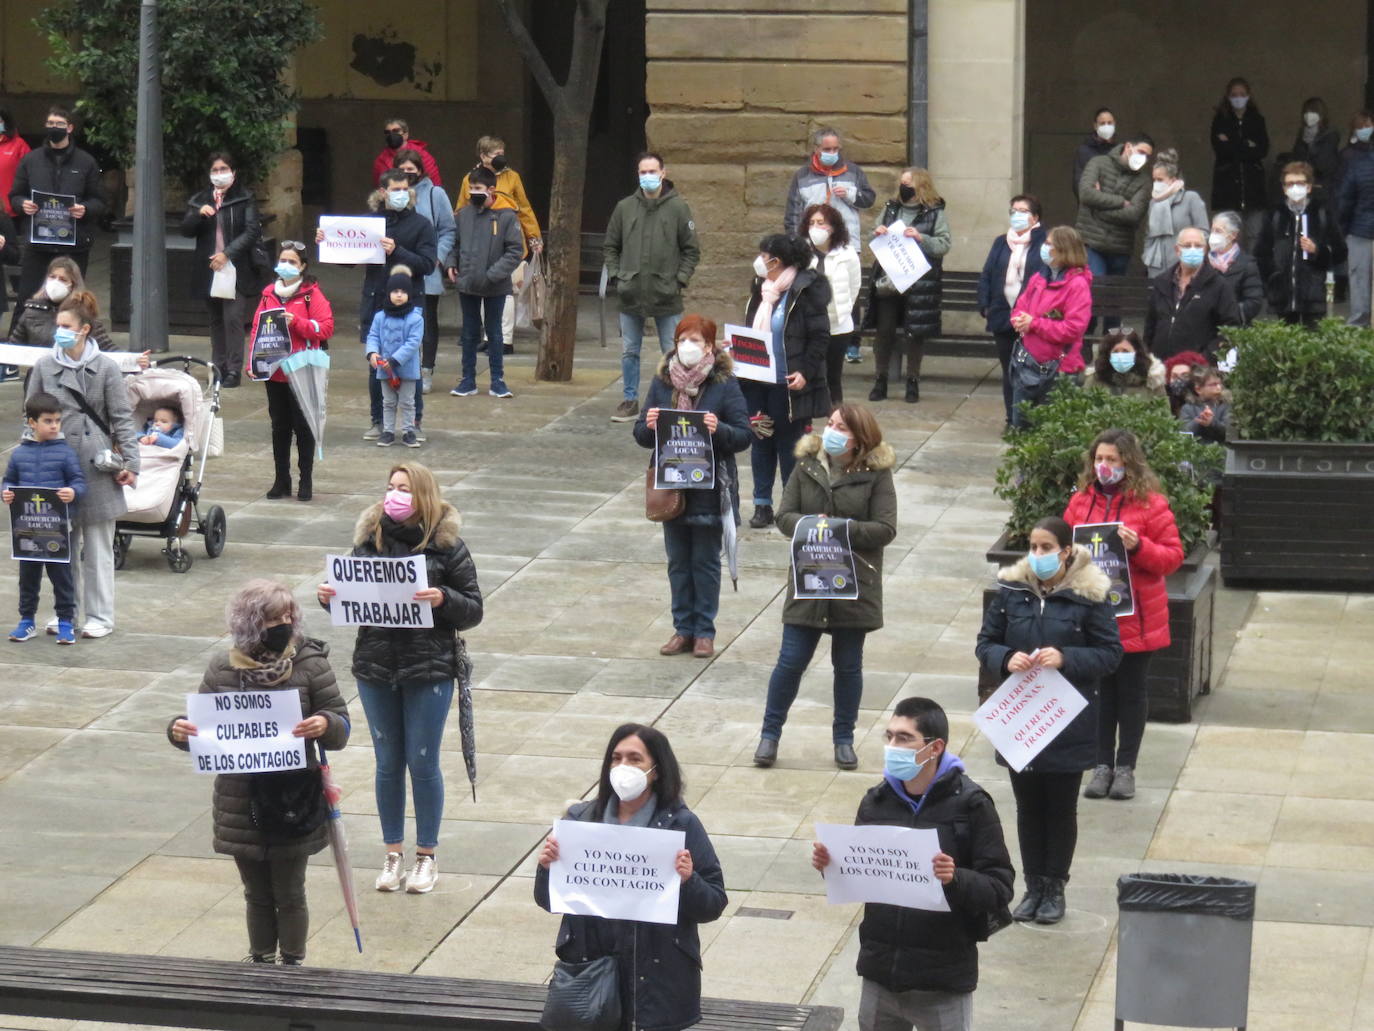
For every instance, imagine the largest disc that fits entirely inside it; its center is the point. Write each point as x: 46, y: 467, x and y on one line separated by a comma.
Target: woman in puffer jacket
x: 1052, y: 314
x: 837, y: 259
x: 271, y: 653
x: 405, y: 676
x: 1118, y: 486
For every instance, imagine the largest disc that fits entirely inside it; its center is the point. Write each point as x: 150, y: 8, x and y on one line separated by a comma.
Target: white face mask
x: 219, y: 180
x: 820, y: 235
x: 1160, y: 188
x: 1217, y: 241
x: 628, y: 782
x: 1311, y: 118
x: 56, y: 290
x: 1106, y: 131
x: 689, y: 353
x: 1136, y: 162
x: 1297, y: 193
x: 761, y: 267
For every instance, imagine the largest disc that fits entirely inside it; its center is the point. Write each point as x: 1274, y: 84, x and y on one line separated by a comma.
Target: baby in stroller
x: 165, y: 428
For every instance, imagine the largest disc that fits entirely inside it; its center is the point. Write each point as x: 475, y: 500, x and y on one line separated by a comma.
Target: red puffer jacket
x: 313, y: 323
x: 1158, y: 554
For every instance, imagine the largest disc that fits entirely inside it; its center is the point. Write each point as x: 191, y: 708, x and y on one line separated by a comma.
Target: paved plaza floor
x: 105, y: 830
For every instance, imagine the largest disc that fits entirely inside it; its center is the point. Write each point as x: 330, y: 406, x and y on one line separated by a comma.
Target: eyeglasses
x: 291, y: 245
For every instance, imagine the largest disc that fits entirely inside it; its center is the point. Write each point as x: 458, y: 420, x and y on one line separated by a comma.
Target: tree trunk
x: 558, y: 340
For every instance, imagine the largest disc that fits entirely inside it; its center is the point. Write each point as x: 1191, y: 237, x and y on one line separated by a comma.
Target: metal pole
x: 918, y: 97
x: 148, y: 322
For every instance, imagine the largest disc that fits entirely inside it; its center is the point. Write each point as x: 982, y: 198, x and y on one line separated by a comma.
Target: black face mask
x: 412, y: 177
x: 276, y: 638
x: 906, y: 192
x: 56, y: 133
x: 394, y: 140
x: 499, y: 162
x: 477, y: 200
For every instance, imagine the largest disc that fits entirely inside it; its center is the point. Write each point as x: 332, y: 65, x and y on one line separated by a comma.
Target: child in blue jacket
x: 46, y: 460
x: 393, y: 350
x: 165, y: 428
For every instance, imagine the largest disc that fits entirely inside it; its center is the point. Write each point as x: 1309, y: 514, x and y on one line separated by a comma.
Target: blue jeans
x: 846, y: 655
x: 693, y: 576
x: 632, y: 339
x: 1107, y: 265
x: 480, y: 313
x: 768, y: 455
x: 407, y: 724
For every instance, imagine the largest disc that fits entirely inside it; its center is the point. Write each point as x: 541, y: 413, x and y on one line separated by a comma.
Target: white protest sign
x: 352, y: 239
x: 752, y: 352
x: 245, y: 731
x: 900, y: 256
x: 378, y: 591
x: 1027, y: 712
x: 882, y: 864
x: 617, y: 872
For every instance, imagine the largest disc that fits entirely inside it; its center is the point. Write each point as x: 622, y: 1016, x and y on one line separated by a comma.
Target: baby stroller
x: 166, y: 501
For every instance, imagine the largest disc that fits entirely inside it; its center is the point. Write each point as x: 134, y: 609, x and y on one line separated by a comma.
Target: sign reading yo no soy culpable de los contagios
x: 683, y: 456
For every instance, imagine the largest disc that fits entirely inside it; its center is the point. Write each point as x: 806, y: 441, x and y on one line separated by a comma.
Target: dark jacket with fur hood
x: 1075, y: 617
x: 396, y: 657
x: 867, y: 498
x: 312, y: 676
x: 720, y: 393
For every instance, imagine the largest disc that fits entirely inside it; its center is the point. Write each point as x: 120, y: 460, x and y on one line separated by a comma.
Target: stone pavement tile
x: 954, y: 692
x: 149, y: 709
x: 465, y: 846
x: 839, y: 802
x: 772, y: 803
x: 1227, y: 759
x: 1335, y: 765
x: 114, y: 767
x: 1164, y: 752
x: 522, y: 789
x: 1314, y: 897
x: 1344, y: 712
x: 772, y: 960
x: 585, y: 736
x: 45, y: 701
x: 36, y: 898
x: 1364, y: 1009
x: 1215, y: 826
x: 711, y: 731
x: 19, y: 746
x: 746, y: 861
x: 355, y: 770
x: 126, y: 650
x: 543, y: 673
x: 505, y: 938
x: 1107, y: 827
x: 1325, y: 834
x: 1262, y: 708
x: 1288, y: 608
x: 644, y: 677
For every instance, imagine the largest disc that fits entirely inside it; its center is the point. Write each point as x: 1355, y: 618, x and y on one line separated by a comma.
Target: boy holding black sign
x: 46, y: 460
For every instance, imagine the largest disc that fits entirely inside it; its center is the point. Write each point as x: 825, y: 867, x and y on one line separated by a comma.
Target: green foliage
x: 1043, y: 462
x: 1298, y: 384
x: 222, y: 62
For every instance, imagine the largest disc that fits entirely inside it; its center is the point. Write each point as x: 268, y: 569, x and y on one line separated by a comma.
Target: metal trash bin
x: 1183, y: 950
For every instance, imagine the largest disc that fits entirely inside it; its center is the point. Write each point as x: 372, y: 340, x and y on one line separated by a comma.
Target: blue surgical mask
x: 1020, y: 220
x: 830, y: 158
x: 397, y: 200
x: 901, y: 762
x: 1239, y: 102
x: 1364, y: 132
x: 285, y: 271
x: 64, y: 338
x: 1045, y: 253
x: 834, y: 441
x: 1192, y: 256
x: 1044, y: 566
x: 650, y: 183
x: 1122, y: 361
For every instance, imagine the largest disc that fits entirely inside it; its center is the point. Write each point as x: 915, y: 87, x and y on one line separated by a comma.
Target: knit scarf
x: 1016, y: 264
x: 687, y: 381
x: 769, y: 292
x: 837, y: 169
x: 1221, y: 260
x: 268, y: 671
x: 285, y: 290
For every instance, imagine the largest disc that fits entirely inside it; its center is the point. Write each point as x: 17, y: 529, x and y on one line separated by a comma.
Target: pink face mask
x: 399, y: 505
x: 1109, y: 475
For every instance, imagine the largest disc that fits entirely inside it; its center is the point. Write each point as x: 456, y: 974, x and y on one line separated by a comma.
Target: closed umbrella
x: 466, y: 729
x: 729, y: 541
x: 338, y: 843
x: 308, y: 373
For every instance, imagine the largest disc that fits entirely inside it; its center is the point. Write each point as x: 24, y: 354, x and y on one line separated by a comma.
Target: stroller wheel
x: 121, y: 548
x: 179, y: 559
x: 216, y: 529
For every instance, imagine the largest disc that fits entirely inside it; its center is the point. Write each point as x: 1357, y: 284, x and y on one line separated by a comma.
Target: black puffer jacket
x: 1238, y: 176
x: 660, y: 964
x: 312, y: 676
x: 1077, y: 619
x: 1295, y: 281
x: 921, y: 304
x: 806, y: 339
x: 70, y: 171
x: 917, y: 949
x: 392, y: 657
x: 1247, y: 286
x: 238, y: 216
x: 1192, y: 322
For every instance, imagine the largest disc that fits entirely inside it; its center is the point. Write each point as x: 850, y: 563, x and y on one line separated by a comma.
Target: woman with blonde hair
x: 916, y: 313
x: 37, y: 316
x: 844, y: 473
x: 1052, y: 314
x: 406, y: 675
x: 270, y: 652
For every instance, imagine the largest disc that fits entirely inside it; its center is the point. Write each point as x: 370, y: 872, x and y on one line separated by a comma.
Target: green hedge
x: 1042, y: 463
x: 1296, y: 384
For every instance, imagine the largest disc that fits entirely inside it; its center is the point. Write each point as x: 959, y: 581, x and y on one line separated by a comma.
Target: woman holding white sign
x: 658, y: 965
x: 1051, y: 611
x: 271, y: 653
x: 406, y: 675
x: 844, y: 473
x: 697, y: 375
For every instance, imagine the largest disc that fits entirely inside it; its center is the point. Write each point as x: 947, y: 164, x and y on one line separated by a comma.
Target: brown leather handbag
x: 661, y: 504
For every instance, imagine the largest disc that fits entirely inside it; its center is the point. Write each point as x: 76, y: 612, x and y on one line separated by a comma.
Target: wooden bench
x: 958, y: 293
x: 173, y: 992
x: 1123, y: 297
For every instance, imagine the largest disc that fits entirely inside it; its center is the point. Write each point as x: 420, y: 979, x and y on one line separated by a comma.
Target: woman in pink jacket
x: 1051, y: 315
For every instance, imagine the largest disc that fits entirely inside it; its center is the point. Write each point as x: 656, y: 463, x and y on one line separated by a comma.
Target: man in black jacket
x: 1189, y: 303
x: 920, y: 967
x: 62, y: 168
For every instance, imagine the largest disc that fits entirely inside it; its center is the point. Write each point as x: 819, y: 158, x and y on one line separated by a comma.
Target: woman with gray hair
x: 271, y: 653
x: 1173, y: 208
x: 1236, y: 267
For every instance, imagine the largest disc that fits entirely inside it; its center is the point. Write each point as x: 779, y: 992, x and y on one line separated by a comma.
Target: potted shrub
x: 1298, y: 488
x: 1040, y: 470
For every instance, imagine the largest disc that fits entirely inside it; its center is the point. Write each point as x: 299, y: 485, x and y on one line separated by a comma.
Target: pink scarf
x: 770, y: 291
x: 687, y: 381
x: 1016, y: 264
x: 1221, y: 260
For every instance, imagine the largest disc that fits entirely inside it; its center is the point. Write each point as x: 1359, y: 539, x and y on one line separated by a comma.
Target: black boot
x: 763, y: 516
x: 304, y: 492
x: 913, y: 391
x: 1035, y: 894
x: 879, y: 391
x: 281, y: 486
x: 1052, y: 904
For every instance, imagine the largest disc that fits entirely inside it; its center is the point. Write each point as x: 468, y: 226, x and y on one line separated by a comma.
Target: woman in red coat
x: 310, y: 323
x: 1118, y: 486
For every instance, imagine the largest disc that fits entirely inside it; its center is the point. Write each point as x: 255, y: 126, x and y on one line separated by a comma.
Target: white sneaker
x: 426, y: 380
x: 96, y: 630
x: 422, y: 875
x: 373, y: 432
x: 390, y: 877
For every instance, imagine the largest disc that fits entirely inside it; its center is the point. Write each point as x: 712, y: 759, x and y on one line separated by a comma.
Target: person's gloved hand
x: 761, y: 424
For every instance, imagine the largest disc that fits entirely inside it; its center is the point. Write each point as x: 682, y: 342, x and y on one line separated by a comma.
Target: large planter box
x: 1179, y: 673
x: 1298, y: 515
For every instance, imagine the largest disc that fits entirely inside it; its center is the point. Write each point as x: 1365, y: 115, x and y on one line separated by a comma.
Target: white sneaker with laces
x: 422, y: 875
x: 390, y: 877
x: 96, y: 630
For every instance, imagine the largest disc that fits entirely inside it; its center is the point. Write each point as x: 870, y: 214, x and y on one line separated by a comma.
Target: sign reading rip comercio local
x: 683, y: 455
x: 378, y: 591
x: 245, y: 731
